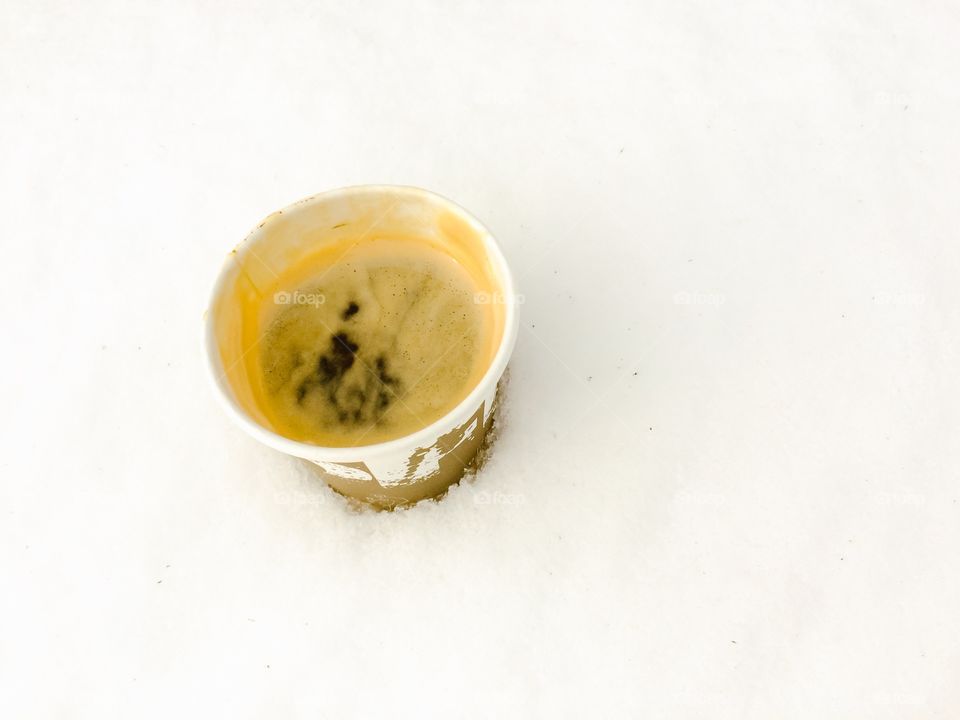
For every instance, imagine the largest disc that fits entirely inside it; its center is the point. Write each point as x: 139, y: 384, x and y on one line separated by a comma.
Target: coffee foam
x: 284, y: 254
x: 370, y: 344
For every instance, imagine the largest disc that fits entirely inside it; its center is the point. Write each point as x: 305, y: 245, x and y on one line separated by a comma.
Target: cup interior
x: 336, y: 220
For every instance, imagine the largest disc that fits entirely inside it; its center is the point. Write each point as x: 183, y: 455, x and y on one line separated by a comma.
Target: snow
x: 725, y: 484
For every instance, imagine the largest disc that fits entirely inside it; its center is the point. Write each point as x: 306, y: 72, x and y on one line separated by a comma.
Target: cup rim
x: 425, y: 435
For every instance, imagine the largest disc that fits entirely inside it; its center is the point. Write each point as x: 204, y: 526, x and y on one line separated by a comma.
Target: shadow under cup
x: 398, y: 471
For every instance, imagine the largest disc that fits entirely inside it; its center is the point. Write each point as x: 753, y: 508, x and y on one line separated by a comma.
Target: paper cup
x: 422, y: 464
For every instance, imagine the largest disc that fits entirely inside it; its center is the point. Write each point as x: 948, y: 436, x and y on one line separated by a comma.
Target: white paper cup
x: 403, y: 470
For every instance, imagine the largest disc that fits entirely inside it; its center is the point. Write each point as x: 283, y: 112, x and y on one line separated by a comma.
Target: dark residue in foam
x: 367, y: 395
x: 351, y: 310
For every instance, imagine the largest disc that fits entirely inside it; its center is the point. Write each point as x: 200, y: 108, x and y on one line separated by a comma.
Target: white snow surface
x: 727, y: 480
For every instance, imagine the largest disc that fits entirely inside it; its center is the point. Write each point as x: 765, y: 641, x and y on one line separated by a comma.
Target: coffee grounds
x: 351, y: 400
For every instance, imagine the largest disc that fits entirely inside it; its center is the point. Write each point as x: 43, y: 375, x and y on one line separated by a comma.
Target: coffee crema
x: 369, y: 340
